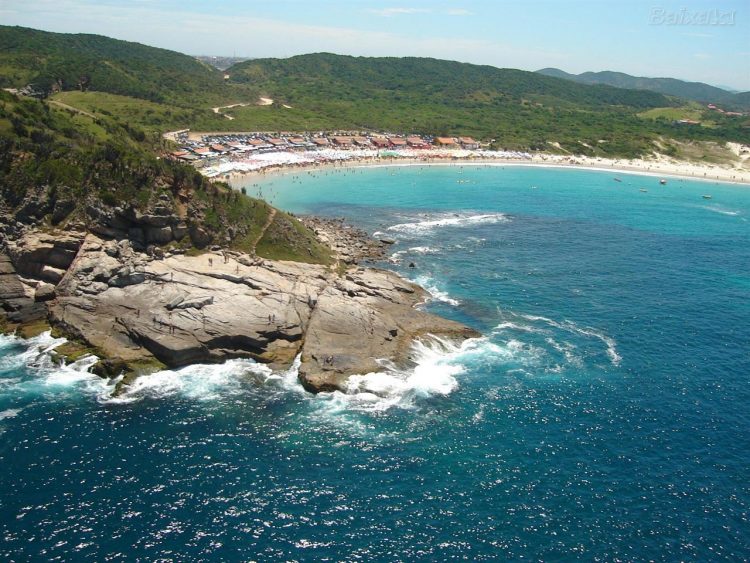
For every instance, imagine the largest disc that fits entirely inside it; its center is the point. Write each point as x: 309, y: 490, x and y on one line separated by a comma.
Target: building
x: 361, y: 141
x: 321, y: 142
x: 417, y: 142
x: 342, y: 141
x: 276, y: 142
x: 397, y: 142
x: 380, y: 142
x: 446, y: 142
x: 204, y: 152
x: 468, y: 143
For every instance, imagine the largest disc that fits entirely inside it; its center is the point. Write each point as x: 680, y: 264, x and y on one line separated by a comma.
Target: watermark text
x: 714, y: 16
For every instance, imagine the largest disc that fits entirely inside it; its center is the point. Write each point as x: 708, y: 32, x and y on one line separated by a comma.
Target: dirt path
x: 71, y: 108
x: 261, y: 102
x: 271, y: 217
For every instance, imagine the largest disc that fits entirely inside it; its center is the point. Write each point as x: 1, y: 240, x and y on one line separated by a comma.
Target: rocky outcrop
x: 181, y: 309
x: 17, y: 301
x: 349, y: 243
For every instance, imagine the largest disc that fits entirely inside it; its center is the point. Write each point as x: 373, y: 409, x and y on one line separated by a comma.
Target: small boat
x: 617, y: 180
x: 706, y: 196
x: 662, y: 181
x: 643, y: 190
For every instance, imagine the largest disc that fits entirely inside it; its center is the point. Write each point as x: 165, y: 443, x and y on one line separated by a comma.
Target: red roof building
x: 446, y: 142
x: 417, y: 142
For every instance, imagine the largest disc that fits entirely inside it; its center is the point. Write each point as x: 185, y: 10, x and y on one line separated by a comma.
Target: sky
x: 704, y: 41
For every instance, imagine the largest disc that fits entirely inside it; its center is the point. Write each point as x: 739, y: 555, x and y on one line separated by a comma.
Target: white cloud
x: 702, y: 56
x: 214, y: 34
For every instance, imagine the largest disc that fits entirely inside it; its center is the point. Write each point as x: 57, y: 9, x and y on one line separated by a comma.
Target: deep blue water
x: 604, y: 415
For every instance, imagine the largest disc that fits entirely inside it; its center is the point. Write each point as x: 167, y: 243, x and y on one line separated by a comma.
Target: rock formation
x: 134, y: 308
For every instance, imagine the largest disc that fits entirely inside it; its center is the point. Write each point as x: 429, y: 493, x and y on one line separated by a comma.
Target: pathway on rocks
x: 271, y: 217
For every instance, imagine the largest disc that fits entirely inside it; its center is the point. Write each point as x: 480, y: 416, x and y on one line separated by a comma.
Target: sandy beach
x: 260, y: 166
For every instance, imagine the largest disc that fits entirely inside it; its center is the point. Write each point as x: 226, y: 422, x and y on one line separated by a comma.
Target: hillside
x: 59, y: 61
x: 61, y: 169
x: 696, y: 91
x: 158, y: 90
x: 520, y: 110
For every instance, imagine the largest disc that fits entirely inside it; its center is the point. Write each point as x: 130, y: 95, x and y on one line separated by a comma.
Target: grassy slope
x: 53, y: 155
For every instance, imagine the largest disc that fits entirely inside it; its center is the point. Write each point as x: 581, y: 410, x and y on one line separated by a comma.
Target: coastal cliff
x: 145, y: 263
x: 138, y: 311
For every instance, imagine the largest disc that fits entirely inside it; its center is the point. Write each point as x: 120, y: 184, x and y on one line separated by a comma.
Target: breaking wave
x: 210, y: 382
x: 436, y: 293
x: 447, y: 220
x: 46, y: 375
x: 434, y: 366
x: 561, y: 351
x: 522, y: 343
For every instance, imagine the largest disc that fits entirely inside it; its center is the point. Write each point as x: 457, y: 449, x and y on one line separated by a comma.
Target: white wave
x: 435, y: 292
x: 9, y: 413
x: 721, y: 210
x: 436, y: 363
x: 570, y: 326
x: 448, y: 220
x: 208, y: 382
x: 48, y: 375
x: 424, y: 250
x: 198, y: 382
x: 505, y: 325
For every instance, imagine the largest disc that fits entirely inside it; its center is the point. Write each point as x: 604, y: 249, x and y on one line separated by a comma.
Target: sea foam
x: 436, y: 293
x: 429, y: 225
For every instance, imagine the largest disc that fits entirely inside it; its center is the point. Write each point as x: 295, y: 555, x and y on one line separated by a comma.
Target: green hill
x: 520, y: 110
x: 59, y: 61
x: 422, y: 79
x: 696, y: 91
x: 159, y: 90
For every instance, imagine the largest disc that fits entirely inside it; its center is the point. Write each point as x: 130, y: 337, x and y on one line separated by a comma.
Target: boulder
x: 44, y: 292
x: 159, y: 235
x: 200, y: 237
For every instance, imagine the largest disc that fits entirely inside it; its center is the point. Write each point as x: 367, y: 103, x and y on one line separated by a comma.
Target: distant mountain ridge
x: 696, y: 91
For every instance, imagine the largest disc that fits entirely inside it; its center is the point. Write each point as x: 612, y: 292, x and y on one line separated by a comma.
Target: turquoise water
x: 603, y: 415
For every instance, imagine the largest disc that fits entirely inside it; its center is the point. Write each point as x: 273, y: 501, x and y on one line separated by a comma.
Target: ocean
x: 603, y: 415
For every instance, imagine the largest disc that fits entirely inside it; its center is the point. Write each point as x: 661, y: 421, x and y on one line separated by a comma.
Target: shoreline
x: 657, y: 169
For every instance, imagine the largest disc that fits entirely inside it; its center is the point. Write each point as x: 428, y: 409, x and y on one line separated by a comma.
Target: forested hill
x: 160, y: 90
x: 697, y: 91
x: 52, y: 61
x: 425, y: 80
x: 518, y: 109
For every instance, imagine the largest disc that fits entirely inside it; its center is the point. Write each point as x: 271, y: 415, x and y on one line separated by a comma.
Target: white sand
x: 658, y: 166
